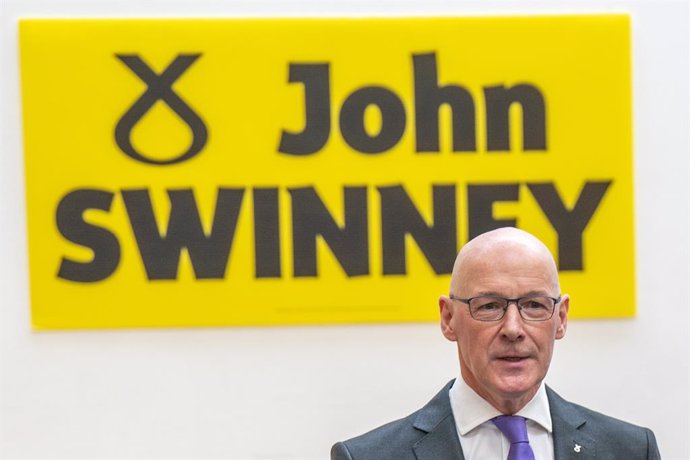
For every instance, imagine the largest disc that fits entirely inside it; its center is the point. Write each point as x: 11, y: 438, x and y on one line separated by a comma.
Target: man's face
x: 504, y: 361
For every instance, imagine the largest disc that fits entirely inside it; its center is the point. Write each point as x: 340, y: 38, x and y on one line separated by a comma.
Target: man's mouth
x: 512, y: 359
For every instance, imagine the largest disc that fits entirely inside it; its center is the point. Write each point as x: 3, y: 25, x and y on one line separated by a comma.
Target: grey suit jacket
x: 431, y: 434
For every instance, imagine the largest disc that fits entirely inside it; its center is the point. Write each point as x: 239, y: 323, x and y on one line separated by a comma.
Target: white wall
x: 289, y: 393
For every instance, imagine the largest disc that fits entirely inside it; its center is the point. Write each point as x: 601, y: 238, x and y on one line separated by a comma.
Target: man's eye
x: 489, y: 306
x: 534, y: 305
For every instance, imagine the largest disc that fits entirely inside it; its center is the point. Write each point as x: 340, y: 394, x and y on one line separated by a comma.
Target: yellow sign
x: 234, y: 172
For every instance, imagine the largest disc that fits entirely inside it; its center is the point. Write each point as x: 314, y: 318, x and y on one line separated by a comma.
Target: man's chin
x: 517, y: 387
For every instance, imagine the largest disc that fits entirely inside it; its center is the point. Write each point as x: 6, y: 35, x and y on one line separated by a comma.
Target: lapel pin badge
x: 577, y: 448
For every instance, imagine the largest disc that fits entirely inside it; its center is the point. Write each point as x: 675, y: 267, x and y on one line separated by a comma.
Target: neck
x: 506, y: 404
x: 510, y: 406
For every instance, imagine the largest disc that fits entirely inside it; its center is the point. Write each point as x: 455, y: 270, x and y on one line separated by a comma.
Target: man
x: 505, y: 312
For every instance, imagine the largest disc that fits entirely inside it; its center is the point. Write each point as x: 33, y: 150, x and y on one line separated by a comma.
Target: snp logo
x: 159, y: 87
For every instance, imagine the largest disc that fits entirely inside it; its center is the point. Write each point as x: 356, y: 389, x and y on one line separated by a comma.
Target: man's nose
x: 512, y: 327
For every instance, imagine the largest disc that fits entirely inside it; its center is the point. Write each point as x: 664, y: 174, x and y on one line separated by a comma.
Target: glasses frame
x: 556, y: 301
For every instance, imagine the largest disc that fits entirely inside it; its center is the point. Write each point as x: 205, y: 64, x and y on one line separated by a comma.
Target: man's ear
x: 445, y: 305
x: 563, y: 316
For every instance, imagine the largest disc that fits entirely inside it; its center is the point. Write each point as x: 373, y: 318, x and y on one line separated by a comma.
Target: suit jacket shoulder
x: 582, y: 433
x: 428, y: 433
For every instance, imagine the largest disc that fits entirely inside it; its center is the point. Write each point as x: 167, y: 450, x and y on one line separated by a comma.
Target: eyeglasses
x: 493, y: 308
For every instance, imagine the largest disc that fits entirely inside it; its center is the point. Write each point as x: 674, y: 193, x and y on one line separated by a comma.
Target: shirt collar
x: 471, y: 410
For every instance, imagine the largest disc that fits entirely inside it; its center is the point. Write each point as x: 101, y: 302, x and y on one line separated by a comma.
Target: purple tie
x: 515, y: 429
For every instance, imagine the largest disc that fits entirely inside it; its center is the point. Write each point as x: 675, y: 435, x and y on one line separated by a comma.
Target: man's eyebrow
x: 488, y: 293
x: 527, y: 294
x: 537, y: 293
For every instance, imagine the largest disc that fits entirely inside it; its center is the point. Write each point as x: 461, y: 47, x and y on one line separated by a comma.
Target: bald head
x: 503, y: 246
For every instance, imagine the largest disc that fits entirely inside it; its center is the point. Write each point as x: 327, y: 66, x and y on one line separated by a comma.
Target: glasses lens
x: 536, y: 308
x: 487, y: 308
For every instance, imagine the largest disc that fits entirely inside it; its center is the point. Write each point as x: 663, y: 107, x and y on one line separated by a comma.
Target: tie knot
x: 513, y: 427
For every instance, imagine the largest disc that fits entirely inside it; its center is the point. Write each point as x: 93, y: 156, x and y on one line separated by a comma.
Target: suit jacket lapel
x: 436, y: 419
x: 440, y: 443
x: 568, y: 441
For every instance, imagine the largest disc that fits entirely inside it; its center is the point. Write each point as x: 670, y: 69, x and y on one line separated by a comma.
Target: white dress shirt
x: 482, y: 440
